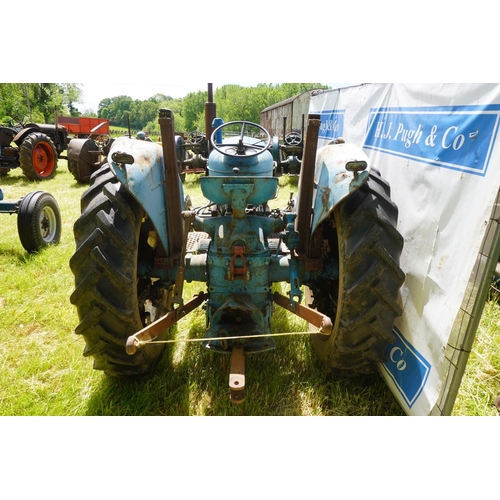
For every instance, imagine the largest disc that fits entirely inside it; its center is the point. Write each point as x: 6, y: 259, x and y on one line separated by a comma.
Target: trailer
x: 83, y: 127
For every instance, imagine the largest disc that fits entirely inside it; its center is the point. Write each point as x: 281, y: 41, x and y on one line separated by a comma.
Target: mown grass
x: 481, y: 382
x: 43, y: 372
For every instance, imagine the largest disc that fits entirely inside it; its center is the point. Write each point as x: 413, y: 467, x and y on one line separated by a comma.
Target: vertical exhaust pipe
x: 209, y: 115
x: 306, y: 185
x: 171, y: 184
x: 57, y: 140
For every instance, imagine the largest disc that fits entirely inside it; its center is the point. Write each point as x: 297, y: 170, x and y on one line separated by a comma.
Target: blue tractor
x: 138, y: 240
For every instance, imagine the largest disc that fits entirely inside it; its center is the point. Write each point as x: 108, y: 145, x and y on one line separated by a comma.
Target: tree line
x: 36, y: 102
x: 234, y: 102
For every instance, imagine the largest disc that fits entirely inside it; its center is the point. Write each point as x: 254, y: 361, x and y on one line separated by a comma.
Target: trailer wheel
x: 363, y: 302
x: 38, y: 157
x: 112, y: 301
x: 38, y: 221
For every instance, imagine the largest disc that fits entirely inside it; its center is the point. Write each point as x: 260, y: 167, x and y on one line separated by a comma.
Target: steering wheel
x: 293, y: 139
x: 17, y: 122
x: 242, y: 147
x: 196, y: 137
x: 102, y: 140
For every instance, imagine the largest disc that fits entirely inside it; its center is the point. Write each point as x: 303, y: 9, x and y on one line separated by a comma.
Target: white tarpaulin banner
x: 437, y: 145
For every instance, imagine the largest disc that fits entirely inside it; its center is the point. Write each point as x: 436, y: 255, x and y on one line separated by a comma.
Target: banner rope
x: 237, y: 337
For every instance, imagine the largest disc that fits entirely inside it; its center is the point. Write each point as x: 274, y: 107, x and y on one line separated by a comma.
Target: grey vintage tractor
x: 335, y: 247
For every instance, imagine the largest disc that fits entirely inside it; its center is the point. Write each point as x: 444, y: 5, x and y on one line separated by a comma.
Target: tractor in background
x: 34, y: 147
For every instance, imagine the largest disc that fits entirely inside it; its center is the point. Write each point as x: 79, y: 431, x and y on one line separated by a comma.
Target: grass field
x: 43, y: 372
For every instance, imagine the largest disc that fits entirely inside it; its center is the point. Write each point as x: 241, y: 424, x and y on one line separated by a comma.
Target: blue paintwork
x: 238, y: 263
x: 227, y: 288
x: 256, y: 166
x: 144, y: 179
x: 239, y: 191
x: 239, y: 266
x: 333, y: 182
x: 8, y: 207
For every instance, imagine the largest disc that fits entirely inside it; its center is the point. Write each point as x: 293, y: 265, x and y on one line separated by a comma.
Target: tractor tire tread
x: 369, y: 247
x: 104, y: 265
x: 26, y: 156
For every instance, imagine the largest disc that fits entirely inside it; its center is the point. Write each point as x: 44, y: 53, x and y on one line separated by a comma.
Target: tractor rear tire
x: 363, y: 302
x: 38, y: 157
x: 38, y: 221
x: 109, y: 296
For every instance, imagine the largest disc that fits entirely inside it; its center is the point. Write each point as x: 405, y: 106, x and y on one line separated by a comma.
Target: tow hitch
x: 237, y: 376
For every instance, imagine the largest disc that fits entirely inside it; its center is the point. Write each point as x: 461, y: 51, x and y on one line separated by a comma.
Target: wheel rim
x: 48, y: 224
x: 43, y: 159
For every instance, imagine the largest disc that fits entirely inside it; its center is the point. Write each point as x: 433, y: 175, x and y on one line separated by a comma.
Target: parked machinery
x: 87, y: 155
x: 34, y: 147
x: 288, y: 154
x: 138, y: 242
x: 38, y: 219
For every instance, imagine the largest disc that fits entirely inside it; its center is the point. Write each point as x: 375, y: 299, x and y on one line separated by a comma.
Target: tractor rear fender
x: 22, y: 134
x: 144, y: 179
x: 333, y: 180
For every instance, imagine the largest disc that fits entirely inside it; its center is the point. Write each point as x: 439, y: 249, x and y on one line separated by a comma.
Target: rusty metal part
x: 176, y: 297
x: 306, y: 184
x: 210, y: 112
x: 319, y: 320
x: 238, y: 272
x: 171, y: 185
x: 152, y: 331
x: 237, y: 375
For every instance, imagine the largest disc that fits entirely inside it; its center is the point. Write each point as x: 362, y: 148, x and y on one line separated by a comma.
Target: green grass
x: 43, y: 372
x: 481, y: 381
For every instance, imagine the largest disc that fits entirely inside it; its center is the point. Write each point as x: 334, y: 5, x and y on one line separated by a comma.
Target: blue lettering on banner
x: 332, y: 124
x: 407, y: 368
x: 454, y: 137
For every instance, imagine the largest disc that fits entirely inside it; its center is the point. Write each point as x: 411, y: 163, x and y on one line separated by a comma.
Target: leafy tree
x: 246, y: 103
x: 12, y: 102
x: 176, y: 105
x: 160, y: 98
x: 115, y: 109
x: 38, y: 101
x: 193, y: 107
x: 235, y: 102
